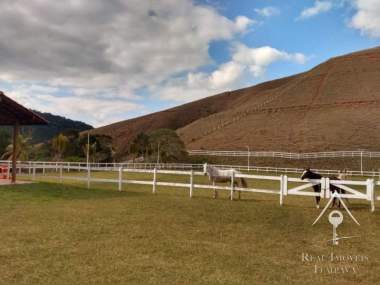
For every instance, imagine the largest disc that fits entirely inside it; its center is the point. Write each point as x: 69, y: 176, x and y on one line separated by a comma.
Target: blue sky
x: 106, y: 61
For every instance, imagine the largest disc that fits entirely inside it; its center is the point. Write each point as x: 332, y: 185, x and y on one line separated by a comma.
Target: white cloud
x: 242, y: 23
x: 367, y: 17
x: 107, y: 49
x: 267, y: 11
x: 318, y: 8
x: 227, y: 74
x: 94, y: 110
x: 258, y: 59
x: 245, y: 62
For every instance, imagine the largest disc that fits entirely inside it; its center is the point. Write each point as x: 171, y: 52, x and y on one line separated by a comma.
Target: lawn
x: 67, y: 234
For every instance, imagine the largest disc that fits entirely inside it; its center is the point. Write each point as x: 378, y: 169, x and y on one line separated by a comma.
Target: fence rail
x: 284, y: 189
x: 180, y: 166
x: 287, y: 155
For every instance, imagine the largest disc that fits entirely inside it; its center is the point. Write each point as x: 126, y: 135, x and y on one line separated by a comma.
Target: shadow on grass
x: 52, y: 191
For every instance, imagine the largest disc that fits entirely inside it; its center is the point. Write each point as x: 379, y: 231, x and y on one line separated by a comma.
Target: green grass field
x: 67, y: 234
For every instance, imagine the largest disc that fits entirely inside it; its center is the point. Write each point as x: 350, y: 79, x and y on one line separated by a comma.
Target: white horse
x: 219, y: 175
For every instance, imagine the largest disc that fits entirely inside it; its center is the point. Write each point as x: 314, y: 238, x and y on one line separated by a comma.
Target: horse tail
x: 243, y: 183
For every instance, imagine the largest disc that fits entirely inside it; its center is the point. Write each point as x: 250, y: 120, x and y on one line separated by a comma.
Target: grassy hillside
x: 334, y: 106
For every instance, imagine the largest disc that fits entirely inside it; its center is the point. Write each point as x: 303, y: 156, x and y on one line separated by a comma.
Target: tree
x: 59, y: 145
x: 100, y: 149
x: 168, y: 145
x: 140, y: 145
x: 5, y: 140
x: 23, y: 149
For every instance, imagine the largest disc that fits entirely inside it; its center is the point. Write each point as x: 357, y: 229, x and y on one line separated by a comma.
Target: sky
x: 105, y: 61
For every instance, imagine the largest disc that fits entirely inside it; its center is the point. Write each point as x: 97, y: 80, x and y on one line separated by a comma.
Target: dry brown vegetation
x: 334, y: 106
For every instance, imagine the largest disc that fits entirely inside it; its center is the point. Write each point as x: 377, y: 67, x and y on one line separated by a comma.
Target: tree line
x: 162, y: 145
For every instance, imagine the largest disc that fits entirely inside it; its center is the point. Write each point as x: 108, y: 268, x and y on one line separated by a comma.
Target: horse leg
x: 215, y: 192
x: 237, y: 185
x: 317, y: 200
x: 317, y: 189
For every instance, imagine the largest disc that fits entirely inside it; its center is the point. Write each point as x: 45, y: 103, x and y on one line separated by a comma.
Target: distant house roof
x: 11, y: 113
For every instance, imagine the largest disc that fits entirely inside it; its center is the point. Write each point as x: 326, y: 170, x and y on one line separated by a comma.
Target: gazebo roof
x: 12, y: 113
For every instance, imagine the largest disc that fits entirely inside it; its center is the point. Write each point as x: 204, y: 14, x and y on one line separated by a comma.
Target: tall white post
x: 248, y: 158
x: 191, y: 183
x: 232, y: 184
x: 120, y: 178
x: 34, y: 172
x: 88, y: 176
x: 154, y: 180
x: 361, y: 162
x: 281, y: 190
x: 88, y: 148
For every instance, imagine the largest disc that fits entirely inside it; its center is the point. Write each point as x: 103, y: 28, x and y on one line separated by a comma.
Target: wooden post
x: 154, y: 180
x: 16, y: 129
x: 232, y: 184
x: 9, y: 170
x: 120, y: 178
x: 191, y: 183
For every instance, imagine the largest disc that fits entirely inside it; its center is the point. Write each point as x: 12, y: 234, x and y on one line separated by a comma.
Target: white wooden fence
x: 180, y: 166
x: 285, y: 184
x: 287, y: 155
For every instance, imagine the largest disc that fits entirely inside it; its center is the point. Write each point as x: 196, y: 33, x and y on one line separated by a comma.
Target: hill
x: 57, y: 124
x: 333, y: 106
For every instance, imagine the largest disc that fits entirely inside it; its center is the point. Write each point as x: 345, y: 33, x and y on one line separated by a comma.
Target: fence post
x: 43, y: 168
x: 60, y: 173
x: 285, y: 185
x: 371, y: 193
x: 120, y: 178
x: 154, y: 180
x: 282, y: 182
x: 34, y: 173
x: 232, y: 184
x: 88, y: 176
x: 30, y: 168
x: 191, y: 183
x: 325, y: 187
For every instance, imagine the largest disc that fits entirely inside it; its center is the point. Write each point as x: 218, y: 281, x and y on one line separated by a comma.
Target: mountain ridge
x: 323, y: 109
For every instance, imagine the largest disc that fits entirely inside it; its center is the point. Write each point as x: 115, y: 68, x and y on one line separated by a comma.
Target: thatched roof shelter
x: 16, y: 115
